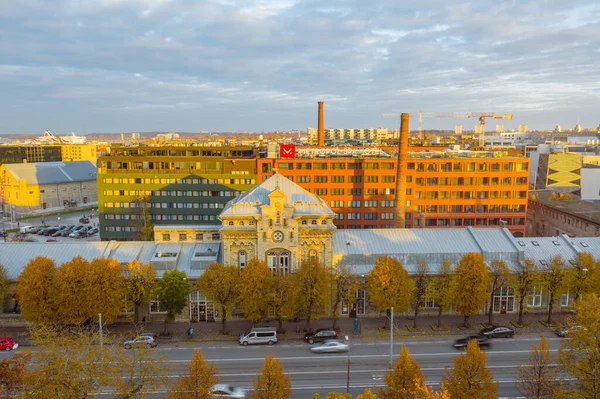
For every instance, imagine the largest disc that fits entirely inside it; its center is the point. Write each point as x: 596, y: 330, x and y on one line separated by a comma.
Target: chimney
x: 321, y: 130
x: 400, y: 217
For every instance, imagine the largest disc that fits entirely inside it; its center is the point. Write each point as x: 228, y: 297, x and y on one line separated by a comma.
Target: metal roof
x: 52, y: 172
x: 543, y: 249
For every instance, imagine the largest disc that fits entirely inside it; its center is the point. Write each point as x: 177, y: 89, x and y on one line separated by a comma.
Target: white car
x: 330, y: 347
x: 228, y: 391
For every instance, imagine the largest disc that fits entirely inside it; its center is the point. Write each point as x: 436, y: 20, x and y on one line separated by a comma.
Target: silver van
x: 266, y: 335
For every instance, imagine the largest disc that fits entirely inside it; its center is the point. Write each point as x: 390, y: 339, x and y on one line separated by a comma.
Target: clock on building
x: 278, y: 236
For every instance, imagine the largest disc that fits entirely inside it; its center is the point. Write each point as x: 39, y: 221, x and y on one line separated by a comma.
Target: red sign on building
x: 287, y: 151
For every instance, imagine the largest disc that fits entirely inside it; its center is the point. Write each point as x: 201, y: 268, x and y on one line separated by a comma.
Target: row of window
x: 195, y: 236
x: 172, y: 180
x: 433, y: 166
x: 446, y: 195
x: 113, y: 216
x: 354, y: 191
x: 469, y: 181
x: 336, y: 165
x: 170, y: 193
x: 469, y: 208
x: 167, y: 205
x: 457, y: 222
x: 341, y: 179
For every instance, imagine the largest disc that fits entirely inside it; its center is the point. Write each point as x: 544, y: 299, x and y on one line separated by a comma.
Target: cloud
x: 135, y: 65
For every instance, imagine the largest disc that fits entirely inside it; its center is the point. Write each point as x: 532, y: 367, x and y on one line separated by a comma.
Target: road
x: 323, y: 373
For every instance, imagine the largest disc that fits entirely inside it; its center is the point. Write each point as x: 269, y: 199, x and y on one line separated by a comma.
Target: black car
x: 320, y: 335
x: 497, y: 332
x: 463, y: 342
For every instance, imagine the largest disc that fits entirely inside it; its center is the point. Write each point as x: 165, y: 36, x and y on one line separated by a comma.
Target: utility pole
x: 348, y: 378
x: 392, y: 339
x: 100, y: 323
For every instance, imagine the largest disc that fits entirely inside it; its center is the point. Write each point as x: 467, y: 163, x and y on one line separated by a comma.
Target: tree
x: 338, y: 395
x: 537, y: 380
x: 442, y: 289
x: 469, y: 378
x: 421, y: 280
x: 4, y: 284
x: 389, y: 285
x: 523, y: 280
x: 198, y: 382
x: 425, y: 392
x: 470, y: 284
x: 345, y: 285
x: 36, y: 291
x: 312, y: 282
x: 367, y: 394
x: 282, y: 300
x: 404, y: 380
x: 142, y: 222
x: 583, y: 277
x: 499, y: 277
x: 272, y: 383
x: 220, y: 285
x: 580, y: 354
x: 140, y: 284
x: 552, y: 278
x: 106, y: 286
x: 12, y: 375
x: 255, y: 287
x: 173, y: 290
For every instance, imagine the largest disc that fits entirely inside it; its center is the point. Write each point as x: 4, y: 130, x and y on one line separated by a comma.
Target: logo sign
x: 287, y: 151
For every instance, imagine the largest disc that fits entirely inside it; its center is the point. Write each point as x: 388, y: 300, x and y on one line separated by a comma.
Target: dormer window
x: 241, y: 223
x: 251, y: 223
x: 230, y: 223
x: 313, y: 222
x: 304, y: 222
x: 323, y: 221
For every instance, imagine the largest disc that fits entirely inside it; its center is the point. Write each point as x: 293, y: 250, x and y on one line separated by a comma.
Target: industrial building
x: 30, y: 153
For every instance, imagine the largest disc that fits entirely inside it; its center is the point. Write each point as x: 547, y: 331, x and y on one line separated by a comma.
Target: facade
x: 553, y: 214
x: 79, y: 152
x: 590, y: 182
x: 186, y: 185
x: 33, y: 186
x: 444, y: 189
x: 562, y: 170
x: 29, y: 153
x: 338, y: 136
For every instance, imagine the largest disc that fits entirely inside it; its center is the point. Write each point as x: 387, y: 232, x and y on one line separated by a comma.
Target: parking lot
x: 55, y: 220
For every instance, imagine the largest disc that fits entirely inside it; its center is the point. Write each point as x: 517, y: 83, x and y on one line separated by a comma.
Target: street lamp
x: 348, y: 379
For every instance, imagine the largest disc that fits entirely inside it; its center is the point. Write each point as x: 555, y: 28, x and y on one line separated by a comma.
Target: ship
x: 49, y: 138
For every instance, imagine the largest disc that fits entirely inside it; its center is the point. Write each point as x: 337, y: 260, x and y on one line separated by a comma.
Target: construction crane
x: 481, y: 115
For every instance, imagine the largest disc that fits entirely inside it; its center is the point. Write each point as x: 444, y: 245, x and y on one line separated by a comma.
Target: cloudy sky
x: 261, y: 65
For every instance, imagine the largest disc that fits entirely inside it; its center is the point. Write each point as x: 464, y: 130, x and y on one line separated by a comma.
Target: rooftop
x: 568, y: 203
x: 52, y: 172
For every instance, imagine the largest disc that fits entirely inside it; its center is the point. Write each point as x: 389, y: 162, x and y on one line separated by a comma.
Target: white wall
x: 590, y: 184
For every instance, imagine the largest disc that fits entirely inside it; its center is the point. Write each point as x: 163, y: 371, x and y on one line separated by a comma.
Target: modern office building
x: 184, y: 185
x: 30, y: 153
x: 340, y: 136
x: 79, y: 152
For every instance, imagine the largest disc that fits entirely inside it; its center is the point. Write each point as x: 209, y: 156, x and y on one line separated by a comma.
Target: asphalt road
x: 323, y: 373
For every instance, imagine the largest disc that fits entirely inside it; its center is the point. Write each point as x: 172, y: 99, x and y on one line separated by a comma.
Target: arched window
x: 313, y: 258
x: 251, y: 223
x: 242, y: 223
x: 279, y: 262
x: 230, y: 223
x: 304, y: 222
x: 242, y: 259
x: 313, y: 222
x: 323, y: 221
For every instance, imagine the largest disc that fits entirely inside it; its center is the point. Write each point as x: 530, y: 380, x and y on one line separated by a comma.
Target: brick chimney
x: 321, y: 130
x: 400, y: 216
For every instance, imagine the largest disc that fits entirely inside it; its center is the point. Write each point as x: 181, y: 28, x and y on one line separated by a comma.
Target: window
x: 354, y: 191
x: 320, y: 179
x: 388, y: 179
x: 216, y: 236
x: 387, y: 215
x: 304, y: 222
x: 182, y: 237
x: 199, y: 236
x: 166, y: 237
x: 313, y: 258
x: 321, y: 191
x: 303, y: 179
x: 371, y: 179
x: 354, y: 216
x: 354, y: 179
x: 337, y: 204
x: 313, y: 222
x: 337, y: 191
x: 354, y: 204
x: 337, y: 179
x: 370, y: 216
x: 156, y: 306
x: 371, y: 204
x: 242, y: 259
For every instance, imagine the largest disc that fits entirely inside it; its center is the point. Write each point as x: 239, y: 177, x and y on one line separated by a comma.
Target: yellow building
x: 32, y: 186
x: 562, y: 169
x: 79, y: 152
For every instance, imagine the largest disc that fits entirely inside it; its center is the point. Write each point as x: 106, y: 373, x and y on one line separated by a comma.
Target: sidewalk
x: 372, y: 328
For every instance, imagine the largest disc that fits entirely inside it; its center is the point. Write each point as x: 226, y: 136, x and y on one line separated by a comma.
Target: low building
x: 32, y: 186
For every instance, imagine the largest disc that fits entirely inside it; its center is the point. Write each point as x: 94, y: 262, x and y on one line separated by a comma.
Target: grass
x: 441, y: 327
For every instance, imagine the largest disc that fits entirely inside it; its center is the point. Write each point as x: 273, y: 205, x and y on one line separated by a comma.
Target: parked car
x: 8, y: 344
x: 65, y: 233
x: 35, y: 230
x: 51, y: 240
x: 228, y: 391
x: 84, y: 220
x: 565, y: 331
x: 150, y: 335
x: 140, y: 341
x: 463, y: 342
x: 260, y: 335
x: 93, y: 231
x: 320, y: 335
x: 497, y: 332
x: 330, y: 346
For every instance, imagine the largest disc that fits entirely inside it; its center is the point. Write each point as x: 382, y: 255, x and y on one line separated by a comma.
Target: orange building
x: 444, y: 189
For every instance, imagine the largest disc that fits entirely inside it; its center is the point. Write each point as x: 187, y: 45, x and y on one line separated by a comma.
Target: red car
x: 7, y: 344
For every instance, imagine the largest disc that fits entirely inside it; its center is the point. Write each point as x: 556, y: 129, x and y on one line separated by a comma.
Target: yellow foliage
x: 470, y: 284
x: 37, y: 291
x: 312, y: 282
x: 337, y: 395
x: 283, y: 297
x: 140, y: 284
x: 538, y: 379
x: 255, y: 285
x: 272, y: 383
x: 389, y: 285
x: 220, y: 285
x: 198, y: 383
x: 402, y: 382
x: 367, y: 394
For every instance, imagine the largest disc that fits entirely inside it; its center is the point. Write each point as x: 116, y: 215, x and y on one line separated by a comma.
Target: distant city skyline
x: 262, y: 65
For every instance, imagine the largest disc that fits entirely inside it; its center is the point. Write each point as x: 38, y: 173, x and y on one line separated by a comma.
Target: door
x: 201, y: 312
x: 503, y: 306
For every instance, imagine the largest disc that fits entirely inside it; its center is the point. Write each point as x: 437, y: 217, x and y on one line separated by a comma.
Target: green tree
x: 283, y: 298
x: 523, y: 281
x: 198, y: 382
x: 142, y: 224
x: 140, y: 284
x: 312, y: 282
x: 538, y: 379
x: 389, y: 285
x: 37, y: 291
x: 584, y: 276
x: 173, y: 290
x: 421, y: 280
x: 345, y: 285
x: 470, y: 284
x: 442, y: 289
x: 404, y: 381
x: 580, y: 354
x: 499, y: 277
x: 255, y: 288
x: 220, y: 285
x: 469, y: 378
x: 552, y: 279
x: 272, y: 383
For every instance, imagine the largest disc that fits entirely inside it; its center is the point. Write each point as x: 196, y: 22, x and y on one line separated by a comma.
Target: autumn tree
x: 580, y: 354
x: 142, y: 219
x: 12, y: 375
x: 523, y: 280
x: 366, y: 394
x: 499, y: 278
x: 272, y: 383
x: 4, y: 284
x: 345, y: 285
x: 552, y: 279
x: 282, y: 298
x: 338, y: 395
x: 389, y: 285
x: 404, y: 380
x: 198, y: 382
x: 470, y: 284
x: 220, y: 285
x: 584, y: 276
x: 36, y: 291
x: 312, y: 282
x: 173, y: 290
x: 469, y: 378
x: 421, y: 280
x: 140, y: 284
x: 537, y: 379
x: 255, y: 286
x: 442, y: 289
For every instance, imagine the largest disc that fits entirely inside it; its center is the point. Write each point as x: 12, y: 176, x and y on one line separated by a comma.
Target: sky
x: 89, y: 66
